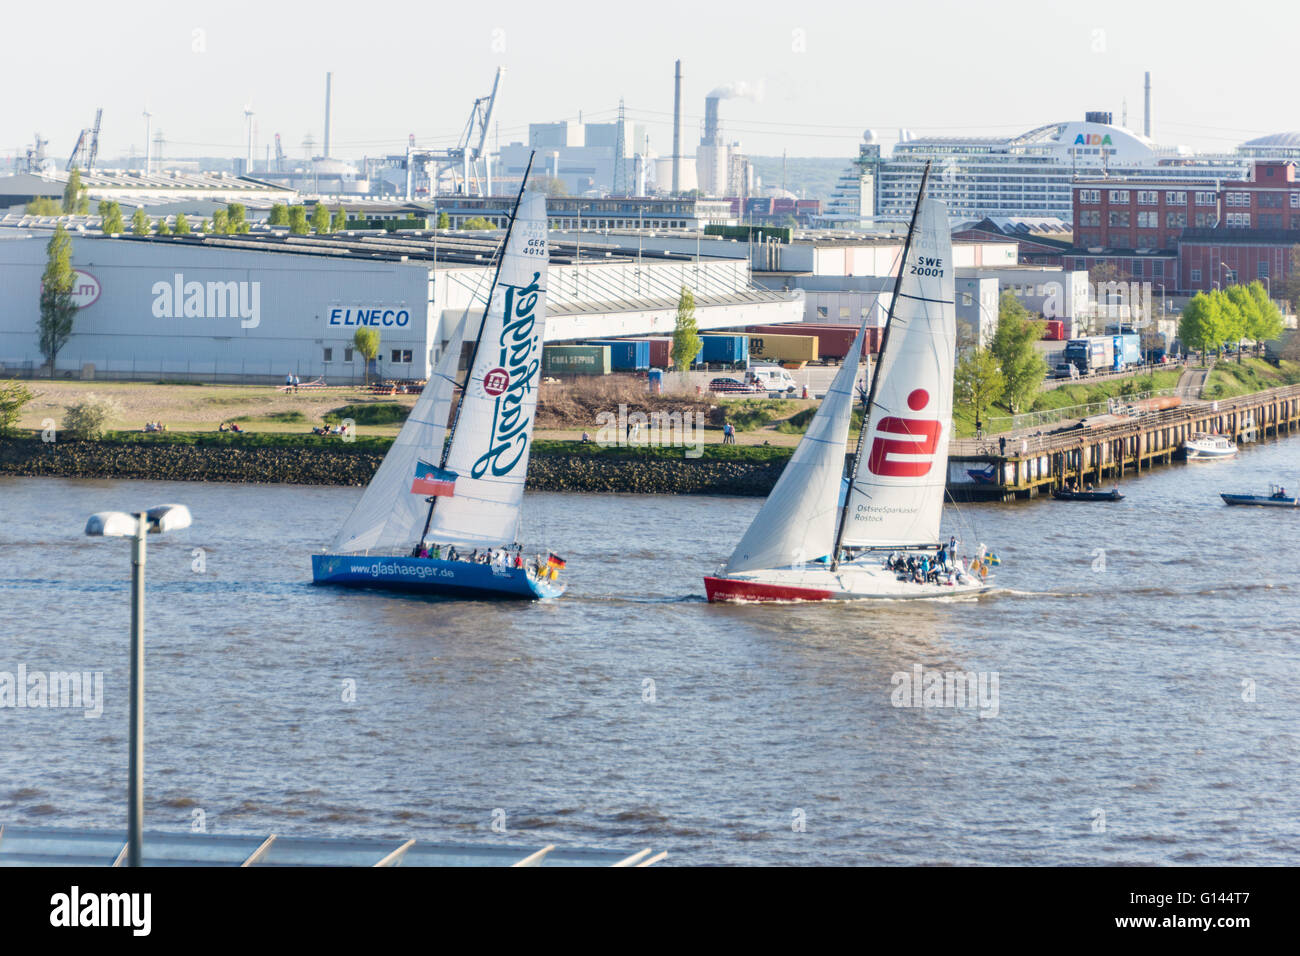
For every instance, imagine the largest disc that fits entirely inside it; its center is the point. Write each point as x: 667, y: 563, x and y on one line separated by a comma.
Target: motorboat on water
x: 453, y: 487
x: 1071, y: 494
x: 1276, y: 498
x: 809, y: 542
x: 1203, y: 447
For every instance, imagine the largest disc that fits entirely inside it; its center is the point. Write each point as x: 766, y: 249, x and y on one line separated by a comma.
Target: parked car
x: 733, y: 386
x: 1065, y: 370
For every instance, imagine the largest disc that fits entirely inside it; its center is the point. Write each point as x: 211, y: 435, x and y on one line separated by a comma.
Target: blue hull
x: 428, y: 576
x: 1267, y: 501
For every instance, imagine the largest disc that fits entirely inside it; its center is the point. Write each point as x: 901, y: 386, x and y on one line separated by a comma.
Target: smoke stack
x: 329, y: 77
x: 710, y: 121
x: 677, y: 129
x: 1146, y: 108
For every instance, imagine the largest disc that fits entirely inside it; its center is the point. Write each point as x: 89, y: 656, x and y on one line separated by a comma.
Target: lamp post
x: 119, y: 524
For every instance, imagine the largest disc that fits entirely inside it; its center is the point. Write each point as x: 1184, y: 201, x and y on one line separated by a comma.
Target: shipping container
x: 661, y: 350
x: 626, y: 355
x: 1055, y: 331
x: 575, y: 360
x: 731, y: 351
x: 833, y: 341
x: 782, y: 348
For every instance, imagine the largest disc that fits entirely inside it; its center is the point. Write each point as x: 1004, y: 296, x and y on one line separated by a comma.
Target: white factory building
x: 257, y: 307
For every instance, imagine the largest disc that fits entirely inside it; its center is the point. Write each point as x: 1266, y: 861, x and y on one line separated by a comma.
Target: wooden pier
x: 1029, y: 466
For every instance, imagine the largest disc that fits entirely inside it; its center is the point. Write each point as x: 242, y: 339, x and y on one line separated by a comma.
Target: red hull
x: 724, y: 589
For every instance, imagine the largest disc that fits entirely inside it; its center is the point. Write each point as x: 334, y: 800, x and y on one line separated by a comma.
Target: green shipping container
x: 575, y: 360
x: 774, y: 347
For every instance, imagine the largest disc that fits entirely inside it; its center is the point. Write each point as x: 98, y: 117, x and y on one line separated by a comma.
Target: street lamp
x: 119, y: 524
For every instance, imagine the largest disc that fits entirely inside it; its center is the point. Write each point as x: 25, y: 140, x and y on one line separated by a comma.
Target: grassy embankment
x: 1229, y: 380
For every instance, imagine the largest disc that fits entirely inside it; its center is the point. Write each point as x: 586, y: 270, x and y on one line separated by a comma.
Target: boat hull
x: 1262, y: 501
x: 855, y: 581
x: 459, y: 579
x: 1087, y: 496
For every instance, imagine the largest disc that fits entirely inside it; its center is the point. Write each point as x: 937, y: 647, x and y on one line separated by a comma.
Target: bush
x: 86, y: 419
x: 12, y: 399
x: 369, y: 413
x: 294, y: 417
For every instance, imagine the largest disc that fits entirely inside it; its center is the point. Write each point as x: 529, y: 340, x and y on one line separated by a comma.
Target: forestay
x: 797, y: 522
x: 897, y: 499
x: 494, y: 432
x: 389, y: 515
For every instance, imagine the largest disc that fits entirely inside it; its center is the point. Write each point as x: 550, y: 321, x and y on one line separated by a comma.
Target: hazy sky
x: 1222, y: 73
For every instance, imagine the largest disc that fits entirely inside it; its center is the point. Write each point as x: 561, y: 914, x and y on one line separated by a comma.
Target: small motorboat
x: 1276, y: 498
x: 1203, y: 447
x: 1070, y: 494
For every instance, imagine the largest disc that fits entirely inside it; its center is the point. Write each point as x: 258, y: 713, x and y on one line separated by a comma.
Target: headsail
x: 494, y: 432
x: 797, y: 522
x: 389, y: 515
x: 897, y: 498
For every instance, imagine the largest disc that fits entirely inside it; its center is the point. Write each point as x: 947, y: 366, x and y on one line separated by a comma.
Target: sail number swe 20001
x: 927, y: 266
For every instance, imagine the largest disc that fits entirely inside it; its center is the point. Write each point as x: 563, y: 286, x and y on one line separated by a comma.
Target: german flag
x: 554, y: 560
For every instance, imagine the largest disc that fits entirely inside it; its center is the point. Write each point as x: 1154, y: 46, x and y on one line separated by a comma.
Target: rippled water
x: 1121, y: 694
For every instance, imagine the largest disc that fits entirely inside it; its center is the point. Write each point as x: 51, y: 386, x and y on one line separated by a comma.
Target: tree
x: 203, y: 225
x: 238, y: 222
x: 1022, y: 365
x: 139, y: 222
x: 74, y: 199
x: 1266, y: 321
x: 279, y: 215
x: 162, y: 228
x: 320, y: 219
x: 1201, y: 325
x: 44, y: 206
x: 477, y: 222
x: 1248, y: 311
x: 57, y: 308
x: 182, y: 225
x: 298, y: 220
x: 366, y: 341
x: 340, y: 220
x: 110, y: 214
x: 978, y: 381
x: 686, y: 337
x: 444, y: 222
x: 13, y: 396
x: 221, y: 222
x: 1232, y: 320
x: 1291, y: 287
x: 86, y: 419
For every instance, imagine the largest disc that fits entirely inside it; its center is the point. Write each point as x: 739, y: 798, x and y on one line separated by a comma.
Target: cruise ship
x: 1025, y: 175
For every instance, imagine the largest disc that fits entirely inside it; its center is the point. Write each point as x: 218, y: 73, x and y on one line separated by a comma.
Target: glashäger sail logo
x: 511, y: 382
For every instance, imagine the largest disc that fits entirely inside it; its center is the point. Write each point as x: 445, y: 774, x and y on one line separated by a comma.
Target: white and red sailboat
x: 811, y: 543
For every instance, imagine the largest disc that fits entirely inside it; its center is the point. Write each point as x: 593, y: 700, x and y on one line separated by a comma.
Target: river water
x: 1146, y: 711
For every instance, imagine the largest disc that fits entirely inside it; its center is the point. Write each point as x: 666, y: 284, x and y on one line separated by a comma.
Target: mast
x: 473, y: 355
x: 875, y: 379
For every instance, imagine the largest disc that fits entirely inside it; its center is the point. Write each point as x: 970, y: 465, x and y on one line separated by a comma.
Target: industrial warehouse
x: 260, y: 306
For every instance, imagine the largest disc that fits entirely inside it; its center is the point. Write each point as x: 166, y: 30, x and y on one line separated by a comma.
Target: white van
x: 773, y: 378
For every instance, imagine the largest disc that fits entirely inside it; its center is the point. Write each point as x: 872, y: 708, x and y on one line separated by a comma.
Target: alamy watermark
x: 179, y: 299
x: 933, y: 688
x: 651, y: 429
x: 43, y: 690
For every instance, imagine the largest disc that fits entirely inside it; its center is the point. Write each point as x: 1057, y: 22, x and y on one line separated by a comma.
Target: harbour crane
x: 87, y: 147
x: 279, y: 155
x: 465, y: 155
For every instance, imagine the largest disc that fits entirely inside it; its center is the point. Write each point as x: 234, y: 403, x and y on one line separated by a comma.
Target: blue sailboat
x: 457, y: 490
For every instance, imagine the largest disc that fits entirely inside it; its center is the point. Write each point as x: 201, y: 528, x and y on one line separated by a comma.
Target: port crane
x: 87, y: 148
x: 463, y: 158
x: 279, y: 155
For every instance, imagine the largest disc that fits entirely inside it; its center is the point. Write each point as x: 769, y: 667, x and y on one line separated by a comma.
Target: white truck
x: 772, y: 378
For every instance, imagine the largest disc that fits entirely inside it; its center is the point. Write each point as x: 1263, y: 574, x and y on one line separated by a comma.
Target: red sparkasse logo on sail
x: 496, y: 381
x: 899, y: 437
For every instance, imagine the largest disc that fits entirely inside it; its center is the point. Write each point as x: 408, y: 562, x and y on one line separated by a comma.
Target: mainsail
x: 797, y: 522
x: 897, y: 497
x: 389, y: 515
x: 494, y: 431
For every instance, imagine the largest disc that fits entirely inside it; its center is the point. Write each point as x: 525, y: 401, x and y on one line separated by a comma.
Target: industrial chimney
x: 1146, y: 108
x: 710, y: 121
x: 677, y: 130
x: 329, y: 77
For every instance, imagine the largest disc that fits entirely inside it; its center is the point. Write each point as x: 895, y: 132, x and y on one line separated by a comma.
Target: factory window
x: 1204, y: 219
x: 1270, y: 220
x: 1175, y: 220
x: 347, y: 355
x: 1119, y: 195
x: 822, y: 311
x: 844, y: 312
x: 329, y: 355
x: 1089, y: 195
x: 1176, y: 199
x: 1148, y: 220
x: 402, y: 355
x: 1196, y: 276
x: 1119, y: 219
x: 1090, y: 217
x: 1271, y: 200
x: 1148, y: 197
x: 1205, y: 199
x: 1261, y: 270
x: 1239, y: 220
x: 1237, y: 199
x: 1157, y: 269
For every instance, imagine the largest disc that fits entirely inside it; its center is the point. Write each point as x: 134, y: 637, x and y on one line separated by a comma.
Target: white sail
x: 389, y: 515
x: 897, y: 497
x: 797, y: 522
x: 494, y: 432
